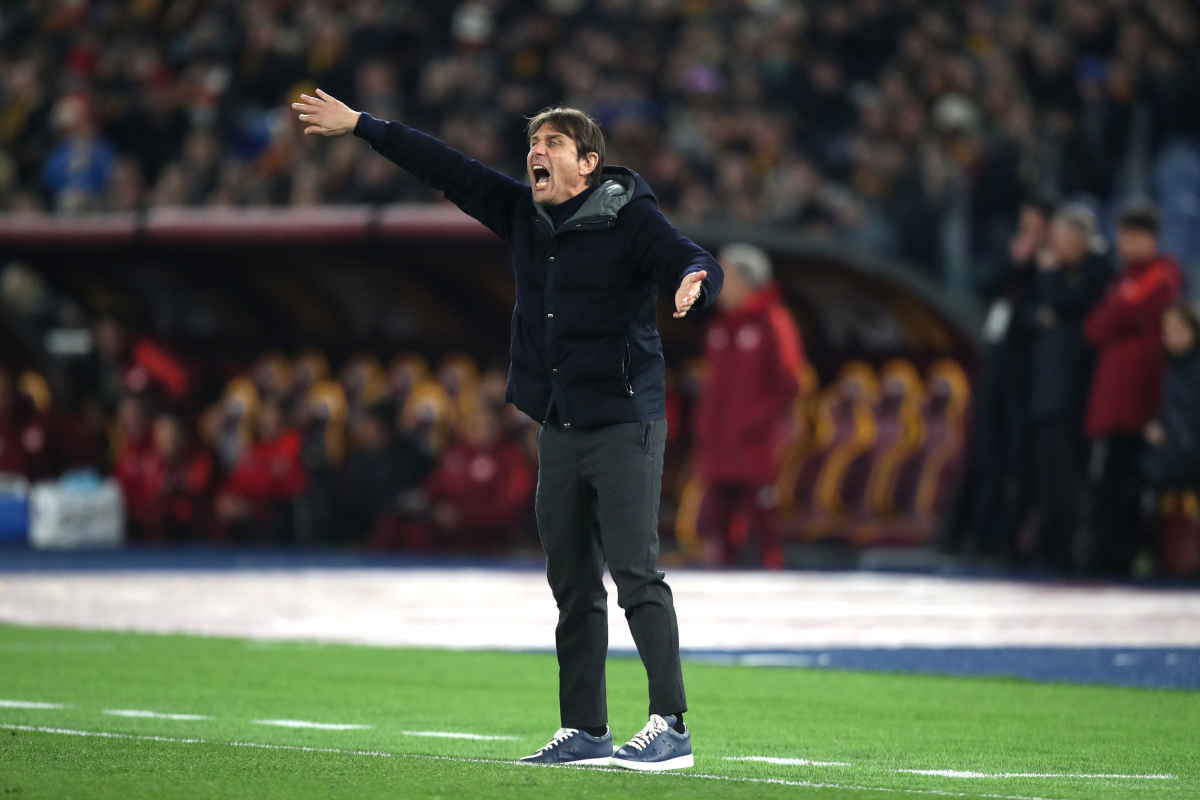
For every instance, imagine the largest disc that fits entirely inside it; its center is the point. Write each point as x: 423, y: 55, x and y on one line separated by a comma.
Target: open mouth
x: 541, y: 176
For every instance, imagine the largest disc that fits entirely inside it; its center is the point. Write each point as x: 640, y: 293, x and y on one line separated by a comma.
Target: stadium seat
x: 428, y: 416
x: 227, y: 426
x: 34, y: 386
x: 947, y: 395
x: 272, y: 374
x: 323, y: 425
x: 363, y: 381
x: 845, y: 430
x: 405, y: 371
x: 458, y: 373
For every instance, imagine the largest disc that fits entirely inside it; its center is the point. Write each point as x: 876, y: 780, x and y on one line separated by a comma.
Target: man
x: 752, y: 358
x: 1070, y: 277
x: 1127, y: 388
x: 590, y: 251
x: 1001, y: 463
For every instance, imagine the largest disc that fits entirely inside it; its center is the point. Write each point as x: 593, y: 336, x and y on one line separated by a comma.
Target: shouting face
x: 557, y: 172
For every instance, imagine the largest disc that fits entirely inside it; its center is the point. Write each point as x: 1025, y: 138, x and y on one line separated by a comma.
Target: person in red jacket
x: 753, y: 356
x: 1126, y: 387
x: 134, y: 462
x: 266, y: 477
x: 176, y: 480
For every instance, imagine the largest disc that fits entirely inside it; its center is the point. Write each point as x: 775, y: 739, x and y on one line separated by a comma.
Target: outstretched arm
x: 670, y: 259
x: 487, y: 195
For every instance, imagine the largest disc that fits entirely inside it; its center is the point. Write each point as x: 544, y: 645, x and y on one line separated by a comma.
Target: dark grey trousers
x: 597, y: 503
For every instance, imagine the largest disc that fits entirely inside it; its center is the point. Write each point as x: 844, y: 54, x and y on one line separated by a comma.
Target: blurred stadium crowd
x: 906, y: 127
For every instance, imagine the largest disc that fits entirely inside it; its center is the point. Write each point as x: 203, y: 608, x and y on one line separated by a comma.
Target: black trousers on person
x: 1114, y: 525
x: 1058, y: 487
x: 597, y: 502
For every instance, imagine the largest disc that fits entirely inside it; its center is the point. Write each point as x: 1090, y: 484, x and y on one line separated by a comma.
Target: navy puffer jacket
x: 585, y: 328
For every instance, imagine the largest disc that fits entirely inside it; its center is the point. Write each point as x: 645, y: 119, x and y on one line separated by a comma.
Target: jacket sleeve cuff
x: 370, y: 129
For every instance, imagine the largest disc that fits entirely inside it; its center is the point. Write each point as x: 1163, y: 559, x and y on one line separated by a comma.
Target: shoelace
x: 560, y: 737
x: 648, y: 734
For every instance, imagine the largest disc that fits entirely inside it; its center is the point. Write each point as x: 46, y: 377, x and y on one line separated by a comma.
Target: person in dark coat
x: 1070, y: 276
x: 1171, y: 459
x: 1003, y: 484
x: 591, y: 252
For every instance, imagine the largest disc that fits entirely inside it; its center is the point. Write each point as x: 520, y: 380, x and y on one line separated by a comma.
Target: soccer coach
x: 591, y: 251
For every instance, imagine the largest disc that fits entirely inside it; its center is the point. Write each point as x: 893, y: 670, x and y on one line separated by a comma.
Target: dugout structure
x: 224, y: 285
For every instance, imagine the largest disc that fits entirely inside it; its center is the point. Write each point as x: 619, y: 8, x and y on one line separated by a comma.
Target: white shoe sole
x: 583, y: 762
x: 653, y: 766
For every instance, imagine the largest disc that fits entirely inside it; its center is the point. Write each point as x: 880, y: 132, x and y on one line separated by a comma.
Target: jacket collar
x: 620, y: 186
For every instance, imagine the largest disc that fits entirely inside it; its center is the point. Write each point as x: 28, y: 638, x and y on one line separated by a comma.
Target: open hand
x: 326, y: 115
x: 688, y: 293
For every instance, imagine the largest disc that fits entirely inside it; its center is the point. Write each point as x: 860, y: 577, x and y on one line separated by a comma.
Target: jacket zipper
x: 625, y: 368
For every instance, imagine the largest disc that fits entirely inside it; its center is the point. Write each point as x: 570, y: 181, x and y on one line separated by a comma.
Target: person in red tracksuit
x: 753, y: 355
x: 1124, y: 328
x: 266, y: 477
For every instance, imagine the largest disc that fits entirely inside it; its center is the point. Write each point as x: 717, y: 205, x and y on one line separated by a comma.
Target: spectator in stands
x: 76, y: 171
x: 1071, y: 273
x: 132, y: 363
x: 174, y: 500
x: 866, y: 123
x: 134, y: 463
x: 1125, y: 329
x: 24, y: 435
x: 1172, y: 457
x: 255, y: 500
x: 753, y: 359
x: 476, y: 498
x: 1002, y: 486
x: 481, y: 490
x: 381, y: 467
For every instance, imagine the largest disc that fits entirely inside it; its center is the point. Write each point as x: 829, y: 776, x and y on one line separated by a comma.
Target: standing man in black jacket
x: 591, y: 251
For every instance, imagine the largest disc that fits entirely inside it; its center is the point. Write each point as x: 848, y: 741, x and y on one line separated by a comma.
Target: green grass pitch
x: 874, y: 724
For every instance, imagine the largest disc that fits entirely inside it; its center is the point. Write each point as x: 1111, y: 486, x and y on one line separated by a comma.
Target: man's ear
x: 587, y: 164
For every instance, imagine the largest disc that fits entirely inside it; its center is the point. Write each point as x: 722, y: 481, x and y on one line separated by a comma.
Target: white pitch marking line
x: 449, y: 735
x: 299, y: 723
x: 27, y: 704
x: 789, y: 762
x: 954, y: 773
x: 131, y: 712
x: 700, y: 775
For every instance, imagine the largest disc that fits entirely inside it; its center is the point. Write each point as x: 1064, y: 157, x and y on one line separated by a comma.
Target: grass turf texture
x: 877, y: 723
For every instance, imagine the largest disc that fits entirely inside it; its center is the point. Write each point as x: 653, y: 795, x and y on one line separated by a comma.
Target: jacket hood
x: 620, y: 186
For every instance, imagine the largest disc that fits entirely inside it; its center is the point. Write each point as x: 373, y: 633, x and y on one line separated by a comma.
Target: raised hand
x: 327, y: 115
x: 688, y: 292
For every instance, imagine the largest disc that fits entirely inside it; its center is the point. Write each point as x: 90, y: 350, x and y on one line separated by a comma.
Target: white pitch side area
x: 513, y: 609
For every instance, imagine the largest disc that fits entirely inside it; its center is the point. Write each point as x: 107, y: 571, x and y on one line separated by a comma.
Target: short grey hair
x: 751, y: 261
x: 1083, y: 219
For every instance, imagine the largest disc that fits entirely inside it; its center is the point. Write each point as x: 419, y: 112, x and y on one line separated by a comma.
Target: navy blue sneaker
x: 574, y: 747
x: 658, y: 747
